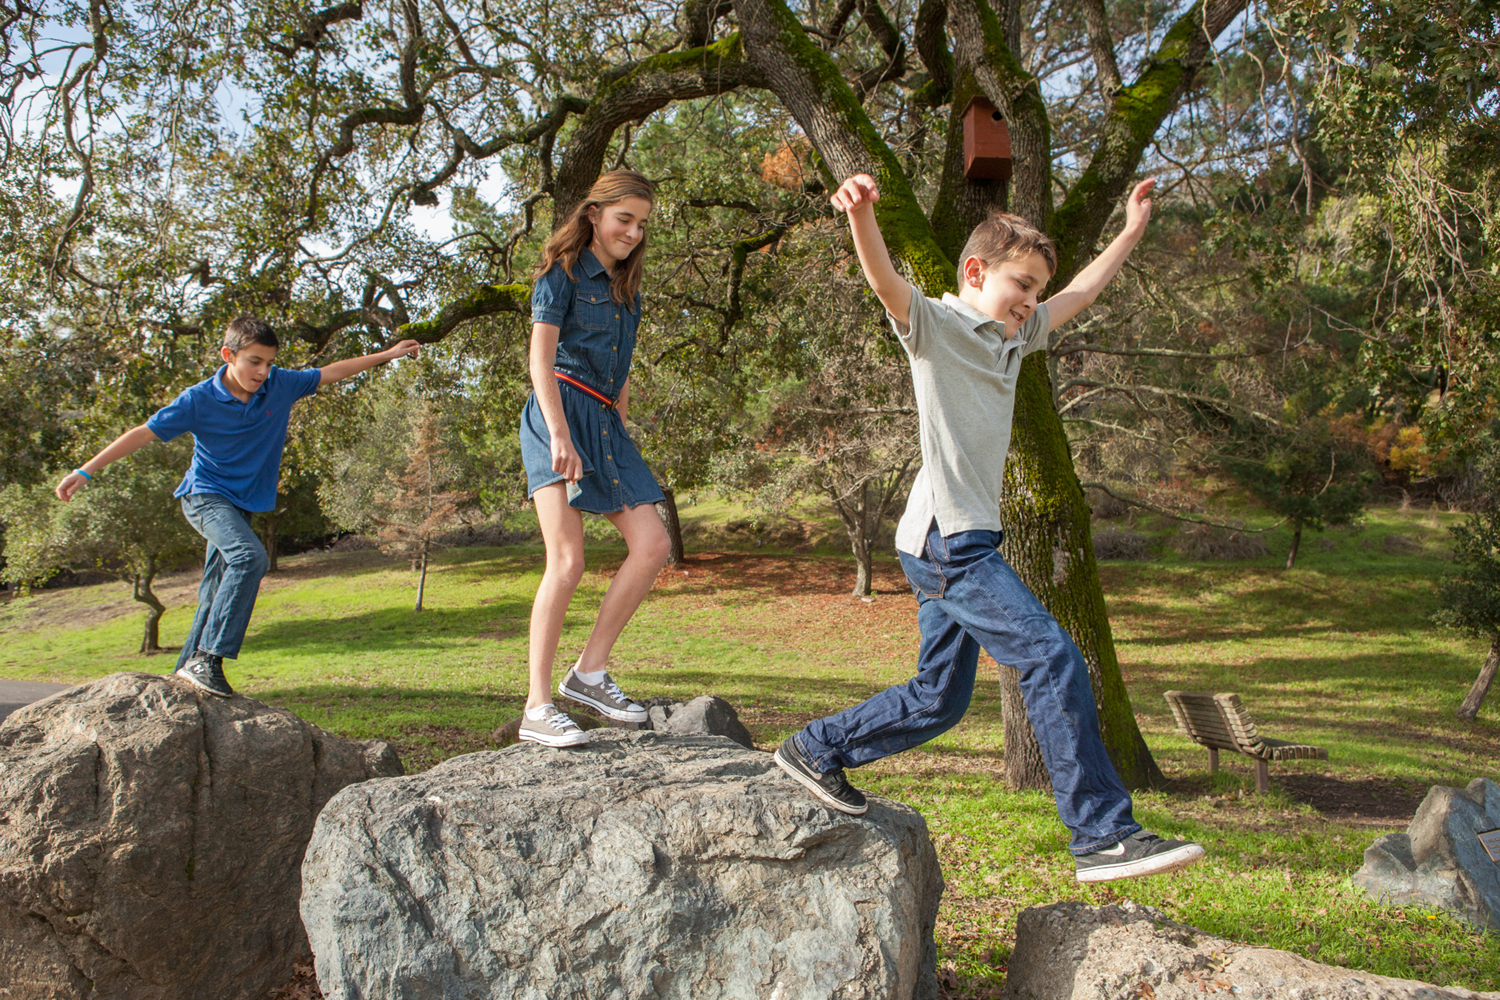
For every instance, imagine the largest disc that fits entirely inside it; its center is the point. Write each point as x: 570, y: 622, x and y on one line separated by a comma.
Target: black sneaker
x: 1138, y: 854
x: 832, y: 788
x: 206, y: 671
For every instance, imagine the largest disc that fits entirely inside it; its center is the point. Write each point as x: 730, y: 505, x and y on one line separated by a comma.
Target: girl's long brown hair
x: 578, y: 231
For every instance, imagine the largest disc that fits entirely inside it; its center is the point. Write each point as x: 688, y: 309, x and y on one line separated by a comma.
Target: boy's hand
x: 71, y: 483
x: 855, y: 192
x: 1138, y: 207
x: 401, y: 350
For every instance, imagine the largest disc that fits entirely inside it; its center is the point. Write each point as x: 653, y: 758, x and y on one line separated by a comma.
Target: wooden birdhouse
x: 986, y: 142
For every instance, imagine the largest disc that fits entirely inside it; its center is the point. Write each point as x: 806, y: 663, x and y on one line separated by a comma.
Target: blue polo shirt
x: 236, y: 446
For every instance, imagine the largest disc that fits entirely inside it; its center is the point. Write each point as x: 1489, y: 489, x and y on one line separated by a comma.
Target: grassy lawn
x: 1338, y: 652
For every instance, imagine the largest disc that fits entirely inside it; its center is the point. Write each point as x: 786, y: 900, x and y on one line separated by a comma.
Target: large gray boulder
x: 1439, y: 861
x: 640, y: 865
x: 151, y: 839
x: 1073, y: 951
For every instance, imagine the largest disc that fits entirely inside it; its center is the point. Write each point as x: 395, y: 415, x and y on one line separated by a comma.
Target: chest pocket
x: 594, y: 309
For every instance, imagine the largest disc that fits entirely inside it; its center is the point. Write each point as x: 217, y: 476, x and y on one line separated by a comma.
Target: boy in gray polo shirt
x: 966, y: 353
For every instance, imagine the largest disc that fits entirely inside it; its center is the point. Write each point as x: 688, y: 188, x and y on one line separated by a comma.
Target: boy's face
x: 1007, y: 292
x: 249, y: 366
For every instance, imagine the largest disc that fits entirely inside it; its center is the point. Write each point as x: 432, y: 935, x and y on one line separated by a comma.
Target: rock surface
x: 1072, y: 951
x: 706, y: 715
x: 150, y: 839
x: 640, y: 865
x: 1439, y: 861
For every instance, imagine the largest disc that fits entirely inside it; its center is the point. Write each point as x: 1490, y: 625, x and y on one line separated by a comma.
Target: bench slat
x: 1222, y: 722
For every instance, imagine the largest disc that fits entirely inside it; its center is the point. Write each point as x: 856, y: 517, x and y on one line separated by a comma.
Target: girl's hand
x: 855, y: 192
x: 565, y: 459
x: 71, y: 483
x: 1138, y: 207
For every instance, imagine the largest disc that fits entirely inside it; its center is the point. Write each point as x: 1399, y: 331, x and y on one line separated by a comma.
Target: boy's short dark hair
x: 243, y: 331
x: 1003, y: 237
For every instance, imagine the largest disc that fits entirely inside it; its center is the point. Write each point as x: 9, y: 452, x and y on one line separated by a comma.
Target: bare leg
x: 649, y: 548
x: 562, y: 532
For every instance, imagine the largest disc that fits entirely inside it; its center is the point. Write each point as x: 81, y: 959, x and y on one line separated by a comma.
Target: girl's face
x: 618, y: 228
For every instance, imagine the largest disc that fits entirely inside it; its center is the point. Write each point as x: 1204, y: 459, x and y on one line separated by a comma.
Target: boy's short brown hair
x: 243, y: 331
x: 1003, y: 237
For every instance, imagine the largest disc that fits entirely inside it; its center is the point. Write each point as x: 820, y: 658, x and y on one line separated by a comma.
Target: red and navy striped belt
x: 609, y: 404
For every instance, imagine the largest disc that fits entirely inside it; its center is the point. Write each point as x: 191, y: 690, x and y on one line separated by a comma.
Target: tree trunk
x: 422, y: 580
x: 1047, y: 543
x: 141, y: 591
x: 861, y: 546
x: 1291, y: 557
x: 668, y: 511
x: 1470, y: 708
x: 1024, y: 766
x: 268, y: 539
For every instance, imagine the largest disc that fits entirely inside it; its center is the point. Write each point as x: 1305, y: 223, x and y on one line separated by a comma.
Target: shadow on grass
x: 396, y: 628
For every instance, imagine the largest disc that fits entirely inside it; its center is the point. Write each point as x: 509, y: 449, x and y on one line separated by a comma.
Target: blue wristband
x: 85, y: 475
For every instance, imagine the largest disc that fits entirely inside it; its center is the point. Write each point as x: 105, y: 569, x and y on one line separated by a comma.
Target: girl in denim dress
x: 585, y: 308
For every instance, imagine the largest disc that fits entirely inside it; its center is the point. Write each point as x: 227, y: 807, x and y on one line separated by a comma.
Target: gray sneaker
x: 553, y: 729
x: 605, y: 697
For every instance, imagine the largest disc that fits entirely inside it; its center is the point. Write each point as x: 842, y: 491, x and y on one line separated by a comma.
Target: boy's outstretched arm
x: 1088, y: 283
x: 857, y: 197
x: 353, y: 366
x: 131, y: 441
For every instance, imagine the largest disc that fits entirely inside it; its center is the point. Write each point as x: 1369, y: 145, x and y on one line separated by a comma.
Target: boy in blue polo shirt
x: 238, y: 419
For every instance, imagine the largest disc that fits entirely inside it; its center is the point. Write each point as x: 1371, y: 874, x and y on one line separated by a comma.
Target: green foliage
x: 1471, y: 596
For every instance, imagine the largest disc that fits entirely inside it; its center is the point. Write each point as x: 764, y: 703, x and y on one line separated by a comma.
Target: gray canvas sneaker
x: 605, y: 697
x: 553, y: 729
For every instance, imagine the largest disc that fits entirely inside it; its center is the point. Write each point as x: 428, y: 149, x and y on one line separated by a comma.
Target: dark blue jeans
x: 232, y: 568
x: 968, y: 597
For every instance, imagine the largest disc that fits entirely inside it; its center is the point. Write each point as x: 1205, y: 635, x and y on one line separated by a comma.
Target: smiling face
x: 247, y: 368
x: 1007, y: 292
x: 618, y: 229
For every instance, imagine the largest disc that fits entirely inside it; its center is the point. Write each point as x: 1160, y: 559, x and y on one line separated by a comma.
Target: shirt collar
x: 591, y: 265
x: 974, y: 318
x: 224, y: 395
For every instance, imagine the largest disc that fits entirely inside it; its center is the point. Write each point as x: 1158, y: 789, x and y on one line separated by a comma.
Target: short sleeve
x: 301, y: 382
x: 551, y: 297
x: 177, y: 417
x: 913, y: 333
x: 1036, y: 331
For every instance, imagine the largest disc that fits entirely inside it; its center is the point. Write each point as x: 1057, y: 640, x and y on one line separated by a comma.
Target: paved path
x: 19, y: 694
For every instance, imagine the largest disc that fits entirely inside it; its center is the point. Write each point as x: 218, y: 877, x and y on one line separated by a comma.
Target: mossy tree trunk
x: 669, y: 516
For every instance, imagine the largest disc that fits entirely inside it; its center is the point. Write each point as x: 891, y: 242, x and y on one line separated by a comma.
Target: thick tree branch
x: 1102, y: 47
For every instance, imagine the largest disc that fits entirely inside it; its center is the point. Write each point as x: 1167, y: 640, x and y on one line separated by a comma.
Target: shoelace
x: 613, y: 690
x: 561, y: 722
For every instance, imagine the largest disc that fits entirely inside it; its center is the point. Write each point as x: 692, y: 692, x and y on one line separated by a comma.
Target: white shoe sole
x: 812, y: 786
x: 1157, y: 864
x: 200, y: 685
x: 571, y: 740
x: 608, y: 711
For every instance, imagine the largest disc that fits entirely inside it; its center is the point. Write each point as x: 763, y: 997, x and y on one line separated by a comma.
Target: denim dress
x: 595, y: 342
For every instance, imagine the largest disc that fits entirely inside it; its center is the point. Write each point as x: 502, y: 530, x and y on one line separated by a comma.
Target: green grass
x: 1338, y: 651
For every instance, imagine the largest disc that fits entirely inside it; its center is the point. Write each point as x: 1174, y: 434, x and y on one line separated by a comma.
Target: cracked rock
x: 640, y: 865
x: 151, y: 837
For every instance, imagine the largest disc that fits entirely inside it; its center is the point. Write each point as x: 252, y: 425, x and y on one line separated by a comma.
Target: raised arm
x: 857, y: 197
x: 353, y: 366
x: 1088, y: 283
x: 131, y: 441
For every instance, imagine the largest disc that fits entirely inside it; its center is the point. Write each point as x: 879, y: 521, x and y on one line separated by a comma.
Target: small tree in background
x: 125, y: 524
x: 1471, y: 599
x: 418, y: 507
x: 1305, y: 470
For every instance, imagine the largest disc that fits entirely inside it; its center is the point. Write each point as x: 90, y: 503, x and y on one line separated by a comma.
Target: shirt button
x: 606, y: 433
x: 615, y: 481
x: 610, y: 458
x: 616, y: 348
x: 617, y: 315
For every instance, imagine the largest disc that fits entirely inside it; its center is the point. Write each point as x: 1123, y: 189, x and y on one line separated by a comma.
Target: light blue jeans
x: 232, y: 568
x: 968, y: 597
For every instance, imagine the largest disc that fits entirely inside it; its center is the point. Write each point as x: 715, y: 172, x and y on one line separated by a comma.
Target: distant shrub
x: 1111, y: 542
x: 1104, y: 506
x: 1208, y: 543
x: 1401, y: 545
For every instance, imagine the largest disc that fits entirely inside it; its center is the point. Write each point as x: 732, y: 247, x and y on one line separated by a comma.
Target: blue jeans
x: 232, y: 568
x: 968, y: 597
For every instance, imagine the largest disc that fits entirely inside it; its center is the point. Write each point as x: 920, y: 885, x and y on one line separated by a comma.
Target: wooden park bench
x: 1221, y: 722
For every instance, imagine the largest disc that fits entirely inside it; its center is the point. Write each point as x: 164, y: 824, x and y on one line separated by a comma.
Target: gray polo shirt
x: 964, y: 371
